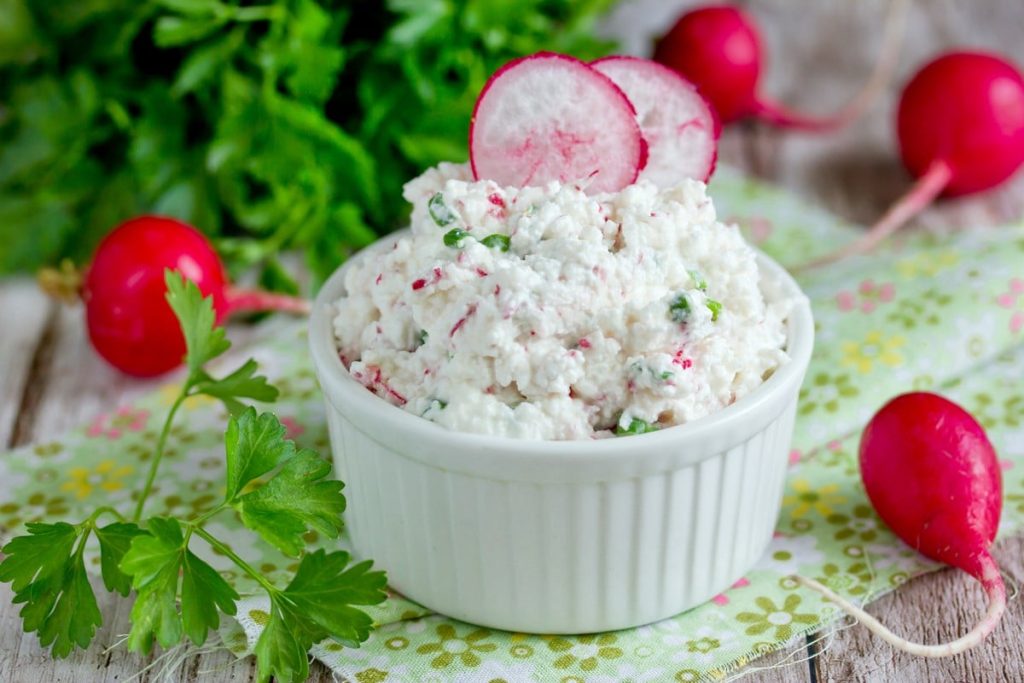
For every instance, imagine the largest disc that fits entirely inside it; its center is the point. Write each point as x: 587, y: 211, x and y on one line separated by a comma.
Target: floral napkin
x: 946, y: 315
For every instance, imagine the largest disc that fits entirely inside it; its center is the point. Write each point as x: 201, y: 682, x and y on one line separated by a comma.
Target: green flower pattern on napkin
x: 925, y: 315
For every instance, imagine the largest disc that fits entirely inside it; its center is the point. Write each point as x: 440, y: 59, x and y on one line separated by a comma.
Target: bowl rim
x: 431, y: 438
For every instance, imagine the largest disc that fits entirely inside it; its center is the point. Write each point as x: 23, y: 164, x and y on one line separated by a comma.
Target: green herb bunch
x: 268, y: 124
x: 278, y: 491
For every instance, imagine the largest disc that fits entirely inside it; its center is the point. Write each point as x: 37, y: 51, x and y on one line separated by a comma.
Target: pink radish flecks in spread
x: 373, y: 379
x: 596, y: 315
x: 462, y: 321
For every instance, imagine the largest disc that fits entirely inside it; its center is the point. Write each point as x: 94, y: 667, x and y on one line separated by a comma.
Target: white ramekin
x: 561, y: 536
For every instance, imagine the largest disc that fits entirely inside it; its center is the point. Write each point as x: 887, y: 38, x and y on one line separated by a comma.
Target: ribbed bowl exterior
x: 562, y: 536
x: 562, y: 557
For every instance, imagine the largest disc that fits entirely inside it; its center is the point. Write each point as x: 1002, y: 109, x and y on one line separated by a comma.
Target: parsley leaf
x: 317, y: 604
x: 156, y: 561
x: 242, y: 383
x: 204, y: 339
x: 254, y: 445
x: 296, y: 498
x: 153, y: 562
x: 114, y: 542
x: 203, y: 592
x: 47, y: 573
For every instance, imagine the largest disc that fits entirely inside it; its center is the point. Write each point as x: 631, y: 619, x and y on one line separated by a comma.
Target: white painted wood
x: 818, y: 54
x: 23, y: 316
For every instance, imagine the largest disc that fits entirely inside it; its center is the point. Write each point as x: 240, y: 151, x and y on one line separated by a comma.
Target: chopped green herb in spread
x: 636, y: 426
x: 435, y: 404
x: 421, y: 338
x: 666, y: 374
x: 698, y: 280
x: 497, y: 240
x: 715, y: 307
x: 454, y: 237
x: 439, y: 211
x: 679, y: 309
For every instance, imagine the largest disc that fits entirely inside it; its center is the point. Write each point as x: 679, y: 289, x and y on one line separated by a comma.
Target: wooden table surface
x: 819, y: 52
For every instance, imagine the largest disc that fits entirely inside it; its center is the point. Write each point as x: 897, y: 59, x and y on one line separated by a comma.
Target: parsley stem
x: 246, y: 14
x: 242, y: 564
x: 198, y: 521
x: 106, y: 509
x: 159, y: 453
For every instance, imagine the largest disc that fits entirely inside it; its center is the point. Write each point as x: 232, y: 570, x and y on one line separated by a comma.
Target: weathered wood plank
x: 935, y: 608
x: 71, y: 384
x: 818, y: 55
x: 24, y: 314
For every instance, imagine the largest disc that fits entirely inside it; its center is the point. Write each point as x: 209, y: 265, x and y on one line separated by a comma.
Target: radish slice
x: 680, y: 127
x: 551, y: 117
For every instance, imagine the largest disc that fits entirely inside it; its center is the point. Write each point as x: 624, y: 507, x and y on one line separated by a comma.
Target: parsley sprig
x: 278, y: 491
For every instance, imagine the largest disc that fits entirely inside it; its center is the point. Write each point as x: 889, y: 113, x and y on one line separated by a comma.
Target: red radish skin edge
x: 958, y: 145
x: 932, y: 475
x: 719, y: 48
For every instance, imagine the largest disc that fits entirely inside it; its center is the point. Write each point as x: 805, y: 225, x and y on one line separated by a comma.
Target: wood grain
x: 818, y: 55
x: 934, y: 608
x: 25, y: 314
x: 69, y: 383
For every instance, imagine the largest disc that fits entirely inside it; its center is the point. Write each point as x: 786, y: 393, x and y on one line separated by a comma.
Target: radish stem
x: 241, y: 300
x: 991, y: 581
x: 780, y: 115
x: 925, y: 190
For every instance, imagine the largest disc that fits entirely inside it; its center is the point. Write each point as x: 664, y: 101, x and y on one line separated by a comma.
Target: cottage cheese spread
x: 545, y: 313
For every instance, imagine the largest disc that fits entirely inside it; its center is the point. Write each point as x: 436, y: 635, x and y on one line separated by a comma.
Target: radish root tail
x: 888, y: 59
x: 925, y: 190
x: 990, y: 579
x: 254, y: 301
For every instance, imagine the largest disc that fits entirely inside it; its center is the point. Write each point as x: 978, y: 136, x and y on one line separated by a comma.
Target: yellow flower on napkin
x: 875, y: 347
x: 106, y: 476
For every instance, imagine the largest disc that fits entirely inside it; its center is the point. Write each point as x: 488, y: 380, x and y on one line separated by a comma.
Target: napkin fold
x: 925, y: 314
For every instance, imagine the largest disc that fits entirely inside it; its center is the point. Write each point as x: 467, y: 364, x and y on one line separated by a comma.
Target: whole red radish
x: 129, y: 321
x: 960, y: 127
x: 550, y: 117
x: 719, y: 48
x: 932, y: 475
x: 680, y: 128
x: 962, y: 115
